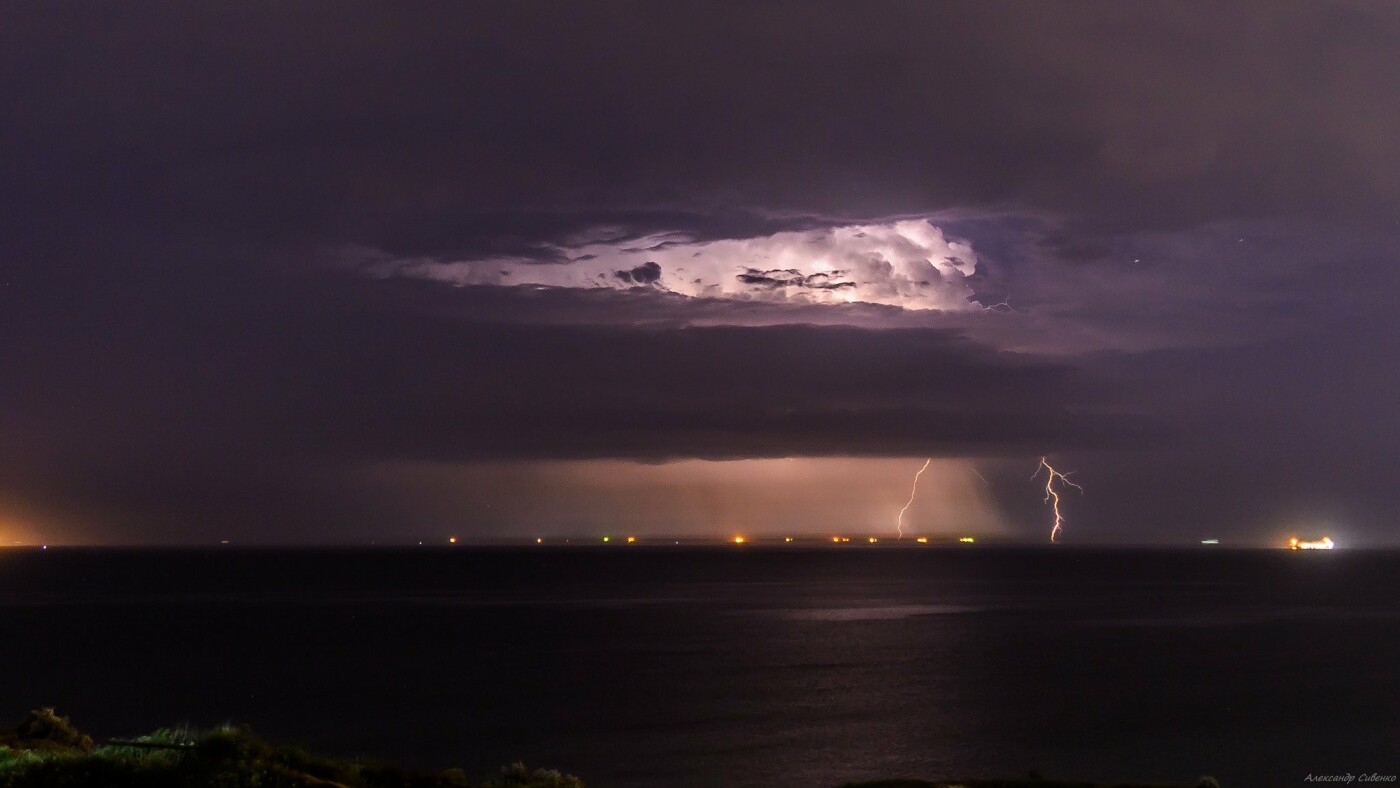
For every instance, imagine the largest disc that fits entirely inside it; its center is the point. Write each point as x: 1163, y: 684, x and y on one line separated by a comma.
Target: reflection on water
x: 883, y: 613
x: 699, y: 668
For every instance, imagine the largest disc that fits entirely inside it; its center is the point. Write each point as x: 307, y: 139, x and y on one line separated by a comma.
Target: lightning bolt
x: 899, y: 523
x: 1052, y: 497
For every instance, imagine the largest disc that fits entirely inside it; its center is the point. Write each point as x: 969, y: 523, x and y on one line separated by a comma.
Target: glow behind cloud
x: 694, y: 497
x: 908, y: 264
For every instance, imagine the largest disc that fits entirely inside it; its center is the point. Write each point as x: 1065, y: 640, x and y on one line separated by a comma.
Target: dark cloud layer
x: 791, y: 277
x: 644, y: 274
x: 229, y: 403
x: 491, y: 127
x: 187, y: 191
x: 262, y: 400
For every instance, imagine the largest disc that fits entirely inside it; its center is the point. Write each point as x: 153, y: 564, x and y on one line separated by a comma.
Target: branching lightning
x: 1051, y: 496
x: 899, y: 522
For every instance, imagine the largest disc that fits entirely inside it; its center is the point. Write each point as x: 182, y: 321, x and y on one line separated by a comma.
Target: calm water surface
x: 733, y: 667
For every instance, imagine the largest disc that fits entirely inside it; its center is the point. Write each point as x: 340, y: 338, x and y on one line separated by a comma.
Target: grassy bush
x: 517, y: 775
x: 50, y: 753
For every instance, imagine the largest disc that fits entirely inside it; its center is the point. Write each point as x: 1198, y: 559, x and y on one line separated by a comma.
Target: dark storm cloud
x: 648, y: 273
x: 491, y: 128
x: 791, y: 277
x: 186, y: 189
x: 1073, y: 249
x: 228, y: 411
x: 338, y: 372
x: 245, y: 399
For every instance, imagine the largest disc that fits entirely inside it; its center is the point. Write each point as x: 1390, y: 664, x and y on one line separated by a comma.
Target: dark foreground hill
x: 45, y: 750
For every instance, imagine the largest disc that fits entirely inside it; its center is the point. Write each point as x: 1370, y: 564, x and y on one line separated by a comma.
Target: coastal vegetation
x: 45, y: 750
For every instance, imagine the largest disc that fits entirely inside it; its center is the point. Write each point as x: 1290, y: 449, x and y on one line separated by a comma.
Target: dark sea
x: 738, y: 666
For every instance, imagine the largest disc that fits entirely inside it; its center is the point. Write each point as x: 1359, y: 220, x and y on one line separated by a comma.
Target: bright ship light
x: 1325, y: 543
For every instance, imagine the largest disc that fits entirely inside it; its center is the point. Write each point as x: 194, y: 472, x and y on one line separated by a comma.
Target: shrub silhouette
x: 46, y: 751
x: 43, y: 729
x: 518, y: 775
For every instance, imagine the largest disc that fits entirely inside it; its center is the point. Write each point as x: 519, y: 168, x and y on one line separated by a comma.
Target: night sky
x: 340, y: 272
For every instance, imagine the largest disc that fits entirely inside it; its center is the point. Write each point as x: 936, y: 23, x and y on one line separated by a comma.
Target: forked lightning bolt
x: 1052, y: 497
x: 899, y: 523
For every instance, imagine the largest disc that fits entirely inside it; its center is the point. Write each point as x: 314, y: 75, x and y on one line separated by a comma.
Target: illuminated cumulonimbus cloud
x: 907, y: 263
